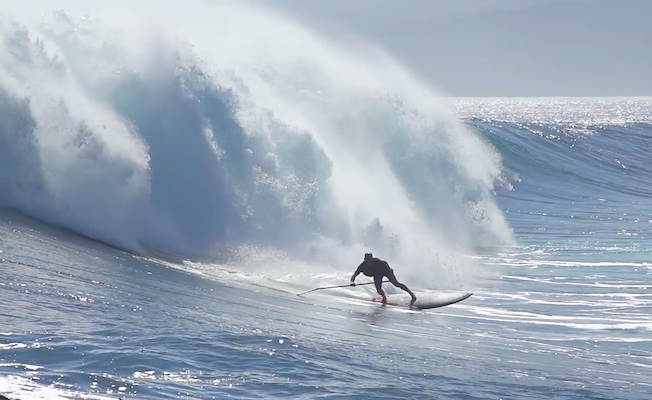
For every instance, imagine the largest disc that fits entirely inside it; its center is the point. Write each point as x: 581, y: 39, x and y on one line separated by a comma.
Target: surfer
x: 377, y: 268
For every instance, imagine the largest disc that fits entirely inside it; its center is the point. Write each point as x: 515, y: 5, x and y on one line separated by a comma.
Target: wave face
x: 164, y: 136
x: 575, y: 159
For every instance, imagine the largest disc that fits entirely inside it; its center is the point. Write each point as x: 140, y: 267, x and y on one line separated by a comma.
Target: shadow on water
x: 13, y: 217
x: 128, y: 261
x: 376, y: 316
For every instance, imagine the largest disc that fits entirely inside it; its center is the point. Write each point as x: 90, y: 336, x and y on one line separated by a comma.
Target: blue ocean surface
x: 165, y: 196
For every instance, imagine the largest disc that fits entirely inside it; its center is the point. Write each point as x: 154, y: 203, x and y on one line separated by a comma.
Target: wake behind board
x: 425, y: 300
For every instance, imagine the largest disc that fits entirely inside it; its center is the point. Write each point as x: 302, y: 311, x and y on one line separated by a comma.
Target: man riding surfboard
x: 377, y: 268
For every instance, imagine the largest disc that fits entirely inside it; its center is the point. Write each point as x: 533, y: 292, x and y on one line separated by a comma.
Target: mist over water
x: 185, y: 127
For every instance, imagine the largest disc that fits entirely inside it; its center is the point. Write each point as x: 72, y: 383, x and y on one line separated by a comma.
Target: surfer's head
x: 368, y: 256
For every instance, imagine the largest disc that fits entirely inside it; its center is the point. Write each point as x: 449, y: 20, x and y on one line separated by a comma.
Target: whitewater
x: 171, y: 179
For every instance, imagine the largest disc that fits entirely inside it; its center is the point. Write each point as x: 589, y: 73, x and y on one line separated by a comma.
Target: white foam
x: 349, y: 98
x: 19, y: 388
x: 550, y: 281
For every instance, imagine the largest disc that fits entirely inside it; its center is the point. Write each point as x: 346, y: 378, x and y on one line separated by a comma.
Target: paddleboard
x: 425, y: 300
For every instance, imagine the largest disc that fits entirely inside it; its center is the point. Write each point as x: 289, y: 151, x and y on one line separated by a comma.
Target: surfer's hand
x: 353, y: 284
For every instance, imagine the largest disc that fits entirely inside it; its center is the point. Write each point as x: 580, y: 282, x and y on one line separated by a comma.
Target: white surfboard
x: 425, y: 300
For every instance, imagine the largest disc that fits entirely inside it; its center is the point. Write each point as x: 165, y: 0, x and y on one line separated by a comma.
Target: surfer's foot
x: 384, y: 299
x: 414, y: 298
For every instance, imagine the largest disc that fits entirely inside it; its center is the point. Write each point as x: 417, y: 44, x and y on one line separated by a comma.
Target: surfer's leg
x: 378, y: 281
x: 392, y: 279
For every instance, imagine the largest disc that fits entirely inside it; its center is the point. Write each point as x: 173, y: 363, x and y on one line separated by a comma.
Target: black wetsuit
x: 378, y: 269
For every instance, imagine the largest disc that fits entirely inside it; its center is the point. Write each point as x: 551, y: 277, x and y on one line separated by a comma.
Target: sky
x: 499, y: 48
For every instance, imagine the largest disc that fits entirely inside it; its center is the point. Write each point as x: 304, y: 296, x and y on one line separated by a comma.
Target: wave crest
x: 147, y: 141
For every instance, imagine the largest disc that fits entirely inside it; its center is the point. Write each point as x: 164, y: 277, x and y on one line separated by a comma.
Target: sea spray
x: 174, y: 139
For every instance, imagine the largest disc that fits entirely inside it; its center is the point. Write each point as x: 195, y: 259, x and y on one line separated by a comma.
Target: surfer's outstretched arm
x: 355, y: 274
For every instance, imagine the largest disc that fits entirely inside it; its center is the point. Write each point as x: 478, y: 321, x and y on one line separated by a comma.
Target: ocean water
x: 170, y: 181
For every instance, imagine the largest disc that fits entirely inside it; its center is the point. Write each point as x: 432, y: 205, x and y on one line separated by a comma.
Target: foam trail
x: 149, y: 130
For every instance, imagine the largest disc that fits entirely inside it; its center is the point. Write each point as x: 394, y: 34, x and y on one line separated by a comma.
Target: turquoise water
x: 161, y: 209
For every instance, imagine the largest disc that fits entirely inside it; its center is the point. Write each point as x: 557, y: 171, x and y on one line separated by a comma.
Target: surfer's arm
x: 355, y: 274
